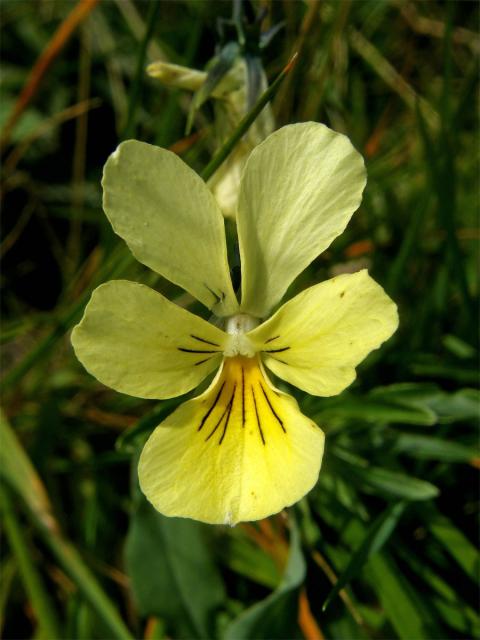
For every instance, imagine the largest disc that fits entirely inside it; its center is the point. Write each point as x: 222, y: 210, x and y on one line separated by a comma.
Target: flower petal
x: 316, y: 340
x: 136, y: 341
x: 299, y: 190
x: 170, y: 221
x: 240, y: 451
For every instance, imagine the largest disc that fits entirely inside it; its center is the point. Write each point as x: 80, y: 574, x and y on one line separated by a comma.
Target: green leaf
x: 245, y: 557
x: 376, y: 537
x: 433, y: 369
x: 398, y: 599
x: 40, y: 600
x: 377, y: 410
x: 458, y: 347
x: 454, y: 541
x: 416, y: 393
x: 389, y: 483
x: 444, y: 596
x: 19, y: 473
x: 172, y: 572
x: 459, y: 406
x: 21, y: 476
x: 9, y: 570
x: 430, y: 448
x: 276, y: 616
x: 463, y: 404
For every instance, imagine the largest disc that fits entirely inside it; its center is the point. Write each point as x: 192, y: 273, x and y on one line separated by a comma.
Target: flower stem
x: 247, y: 122
x: 153, y: 12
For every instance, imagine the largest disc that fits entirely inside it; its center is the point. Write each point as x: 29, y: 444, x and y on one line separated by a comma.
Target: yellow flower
x: 242, y: 450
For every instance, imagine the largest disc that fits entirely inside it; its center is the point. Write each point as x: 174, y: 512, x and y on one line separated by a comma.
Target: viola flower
x: 242, y: 450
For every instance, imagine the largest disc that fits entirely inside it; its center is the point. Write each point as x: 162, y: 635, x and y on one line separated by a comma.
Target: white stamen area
x: 239, y: 344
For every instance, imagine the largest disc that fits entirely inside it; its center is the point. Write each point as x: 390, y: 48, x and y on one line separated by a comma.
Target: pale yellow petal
x: 241, y: 451
x: 170, y: 221
x: 316, y: 340
x: 136, y: 341
x: 175, y: 75
x: 299, y: 189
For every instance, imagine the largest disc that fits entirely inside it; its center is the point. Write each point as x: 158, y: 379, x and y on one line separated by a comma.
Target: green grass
x: 394, y: 516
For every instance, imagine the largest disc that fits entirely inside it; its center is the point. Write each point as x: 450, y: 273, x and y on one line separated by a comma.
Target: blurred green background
x: 392, y: 525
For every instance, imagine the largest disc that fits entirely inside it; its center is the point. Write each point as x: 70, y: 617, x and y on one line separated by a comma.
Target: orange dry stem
x: 48, y: 55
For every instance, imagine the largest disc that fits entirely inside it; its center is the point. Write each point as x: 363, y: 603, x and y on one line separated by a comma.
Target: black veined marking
x: 217, y: 297
x: 198, y: 350
x: 279, y: 420
x: 232, y: 400
x: 226, y: 411
x: 276, y: 350
x: 258, y: 417
x: 271, y: 339
x: 212, y: 407
x: 195, y: 364
x: 214, y: 344
x: 243, y: 398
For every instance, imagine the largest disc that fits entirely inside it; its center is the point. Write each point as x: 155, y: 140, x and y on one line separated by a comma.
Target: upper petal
x: 316, y: 340
x: 136, y: 341
x: 170, y: 221
x: 299, y: 190
x: 240, y: 451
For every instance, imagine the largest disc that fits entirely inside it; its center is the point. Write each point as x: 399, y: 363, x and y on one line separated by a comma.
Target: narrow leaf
x: 246, y: 123
x: 376, y: 537
x: 454, y: 541
x: 165, y: 559
x: 276, y: 616
x: 40, y: 600
x: 430, y: 448
x: 389, y: 483
x: 19, y: 473
x: 398, y: 599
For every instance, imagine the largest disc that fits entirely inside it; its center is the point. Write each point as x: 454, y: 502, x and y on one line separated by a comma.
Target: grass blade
x: 384, y: 481
x: 246, y: 122
x: 52, y: 50
x: 456, y: 544
x: 398, y: 599
x: 376, y: 537
x: 43, y: 607
x: 153, y: 12
x: 20, y: 475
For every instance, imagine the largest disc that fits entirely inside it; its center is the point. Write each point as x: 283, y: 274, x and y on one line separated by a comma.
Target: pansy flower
x: 241, y: 450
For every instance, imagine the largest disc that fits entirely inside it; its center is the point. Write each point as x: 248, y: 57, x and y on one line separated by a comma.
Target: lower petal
x: 240, y: 451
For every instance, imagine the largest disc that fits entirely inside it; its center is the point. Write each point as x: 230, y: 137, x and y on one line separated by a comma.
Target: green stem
x: 41, y: 603
x: 153, y: 11
x: 246, y: 122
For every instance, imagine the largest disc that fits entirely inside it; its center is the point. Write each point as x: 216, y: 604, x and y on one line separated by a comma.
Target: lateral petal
x: 240, y: 451
x: 299, y: 189
x: 170, y: 220
x: 316, y: 340
x: 135, y: 341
